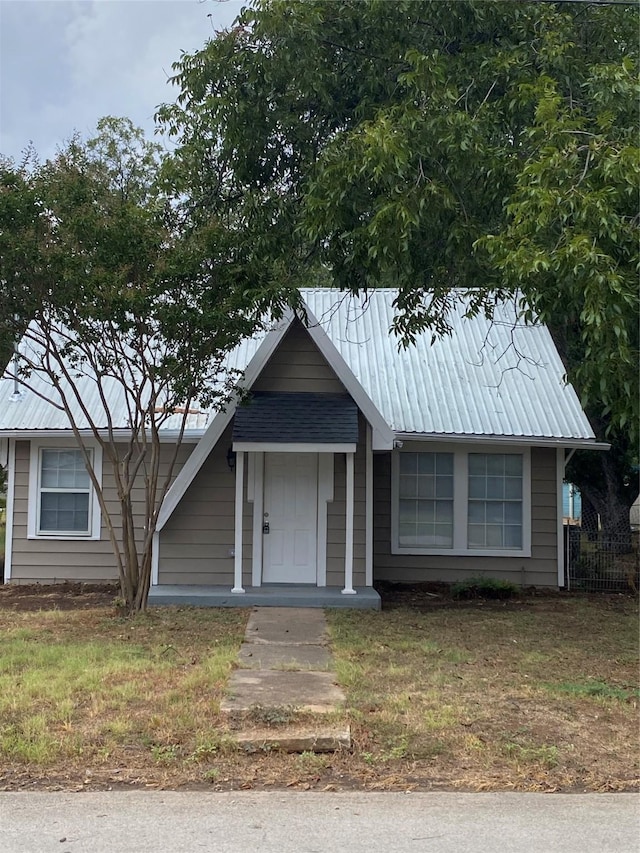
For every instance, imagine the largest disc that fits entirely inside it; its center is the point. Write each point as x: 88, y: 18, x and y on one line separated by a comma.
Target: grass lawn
x: 536, y: 694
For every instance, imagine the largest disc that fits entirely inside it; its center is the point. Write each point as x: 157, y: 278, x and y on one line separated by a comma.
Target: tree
x: 116, y: 293
x: 480, y: 145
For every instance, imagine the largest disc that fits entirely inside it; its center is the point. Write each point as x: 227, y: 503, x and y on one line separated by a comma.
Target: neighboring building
x: 354, y: 461
x: 571, y: 503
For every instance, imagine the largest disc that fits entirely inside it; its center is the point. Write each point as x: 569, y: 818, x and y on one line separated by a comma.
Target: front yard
x: 540, y: 693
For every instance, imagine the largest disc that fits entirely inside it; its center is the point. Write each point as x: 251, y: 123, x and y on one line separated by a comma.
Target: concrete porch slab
x: 312, y: 692
x: 366, y: 598
x: 283, y: 657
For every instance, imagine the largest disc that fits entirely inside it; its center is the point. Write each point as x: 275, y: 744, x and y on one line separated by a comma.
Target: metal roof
x: 487, y: 378
x: 497, y: 378
x: 297, y: 418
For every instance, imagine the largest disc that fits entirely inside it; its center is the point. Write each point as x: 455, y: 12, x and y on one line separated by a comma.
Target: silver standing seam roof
x: 498, y: 379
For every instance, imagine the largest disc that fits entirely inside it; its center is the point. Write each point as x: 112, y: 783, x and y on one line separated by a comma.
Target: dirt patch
x: 436, y: 596
x: 27, y: 598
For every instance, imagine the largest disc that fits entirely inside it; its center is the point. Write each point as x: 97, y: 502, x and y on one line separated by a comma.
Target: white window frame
x: 460, y: 499
x: 33, y: 508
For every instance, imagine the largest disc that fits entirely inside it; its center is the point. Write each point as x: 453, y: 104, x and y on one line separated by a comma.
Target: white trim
x: 513, y: 440
x: 251, y: 477
x: 95, y: 518
x: 256, y: 481
x: 219, y: 423
x: 237, y: 557
x: 155, y: 558
x: 383, y: 436
x: 326, y: 466
x: 11, y: 486
x: 459, y: 548
x: 368, y: 511
x: 380, y: 439
x: 168, y: 436
x: 560, y: 463
x: 291, y: 447
x: 349, y: 512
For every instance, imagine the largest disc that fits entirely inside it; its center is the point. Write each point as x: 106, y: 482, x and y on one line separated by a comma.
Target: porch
x: 282, y: 595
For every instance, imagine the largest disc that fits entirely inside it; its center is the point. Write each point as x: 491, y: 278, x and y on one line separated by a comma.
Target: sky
x: 66, y: 63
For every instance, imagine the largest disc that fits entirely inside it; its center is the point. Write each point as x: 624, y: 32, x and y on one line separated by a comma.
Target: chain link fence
x: 599, y: 562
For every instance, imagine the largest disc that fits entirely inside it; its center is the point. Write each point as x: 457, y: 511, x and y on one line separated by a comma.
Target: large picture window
x: 62, y: 501
x: 460, y: 502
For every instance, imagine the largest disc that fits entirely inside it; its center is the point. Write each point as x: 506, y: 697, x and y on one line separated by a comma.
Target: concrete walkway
x: 285, y: 686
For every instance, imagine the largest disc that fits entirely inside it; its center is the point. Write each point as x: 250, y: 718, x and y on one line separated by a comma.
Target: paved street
x: 291, y: 822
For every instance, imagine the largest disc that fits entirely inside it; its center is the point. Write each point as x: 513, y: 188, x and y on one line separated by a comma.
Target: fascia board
x: 294, y: 447
x: 530, y: 441
x: 166, y: 436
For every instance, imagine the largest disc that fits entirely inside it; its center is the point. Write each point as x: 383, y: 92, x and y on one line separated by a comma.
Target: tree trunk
x: 609, y: 488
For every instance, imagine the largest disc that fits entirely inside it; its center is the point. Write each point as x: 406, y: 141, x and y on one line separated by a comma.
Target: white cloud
x: 65, y: 64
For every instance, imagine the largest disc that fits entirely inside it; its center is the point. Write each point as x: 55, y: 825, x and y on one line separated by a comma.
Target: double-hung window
x: 426, y: 500
x: 62, y: 498
x: 494, y: 512
x: 452, y: 501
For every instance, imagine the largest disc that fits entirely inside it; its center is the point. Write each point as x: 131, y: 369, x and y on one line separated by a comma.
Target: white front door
x: 291, y: 518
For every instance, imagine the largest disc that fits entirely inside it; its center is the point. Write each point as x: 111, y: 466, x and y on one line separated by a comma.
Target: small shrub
x: 482, y: 587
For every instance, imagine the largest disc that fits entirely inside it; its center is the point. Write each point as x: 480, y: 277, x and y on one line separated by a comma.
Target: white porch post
x: 368, y: 561
x: 237, y: 560
x: 348, y: 552
x: 560, y: 465
x: 155, y: 558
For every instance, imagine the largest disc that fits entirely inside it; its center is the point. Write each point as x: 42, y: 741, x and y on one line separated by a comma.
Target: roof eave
x: 528, y: 440
x: 192, y: 436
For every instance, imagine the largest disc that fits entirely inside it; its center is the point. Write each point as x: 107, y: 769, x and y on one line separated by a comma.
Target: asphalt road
x: 291, y: 822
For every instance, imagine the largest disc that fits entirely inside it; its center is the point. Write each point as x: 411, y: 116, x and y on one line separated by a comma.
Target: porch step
x: 295, y: 739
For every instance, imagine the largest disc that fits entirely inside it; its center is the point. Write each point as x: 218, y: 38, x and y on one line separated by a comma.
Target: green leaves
x: 429, y: 146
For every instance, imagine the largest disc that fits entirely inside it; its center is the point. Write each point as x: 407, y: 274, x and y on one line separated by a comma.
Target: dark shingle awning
x: 296, y: 418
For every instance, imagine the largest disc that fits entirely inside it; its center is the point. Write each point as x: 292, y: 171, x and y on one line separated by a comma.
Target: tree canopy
x: 117, y: 295
x: 429, y: 145
x: 489, y: 146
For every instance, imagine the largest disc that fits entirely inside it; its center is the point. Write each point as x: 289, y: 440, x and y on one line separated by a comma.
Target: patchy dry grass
x: 537, y: 694
x: 84, y: 687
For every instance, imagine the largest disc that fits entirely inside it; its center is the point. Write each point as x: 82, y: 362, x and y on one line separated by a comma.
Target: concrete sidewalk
x: 316, y: 822
x: 285, y: 685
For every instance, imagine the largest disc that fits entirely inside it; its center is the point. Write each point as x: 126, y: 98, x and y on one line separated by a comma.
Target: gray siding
x: 538, y: 570
x: 298, y: 365
x: 53, y: 560
x: 196, y: 543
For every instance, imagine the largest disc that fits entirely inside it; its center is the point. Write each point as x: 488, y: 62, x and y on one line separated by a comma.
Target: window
x: 495, y: 501
x: 62, y: 500
x: 426, y: 500
x: 452, y: 501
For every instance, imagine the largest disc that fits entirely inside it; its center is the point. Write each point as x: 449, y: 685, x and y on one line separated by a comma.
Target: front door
x: 291, y: 518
